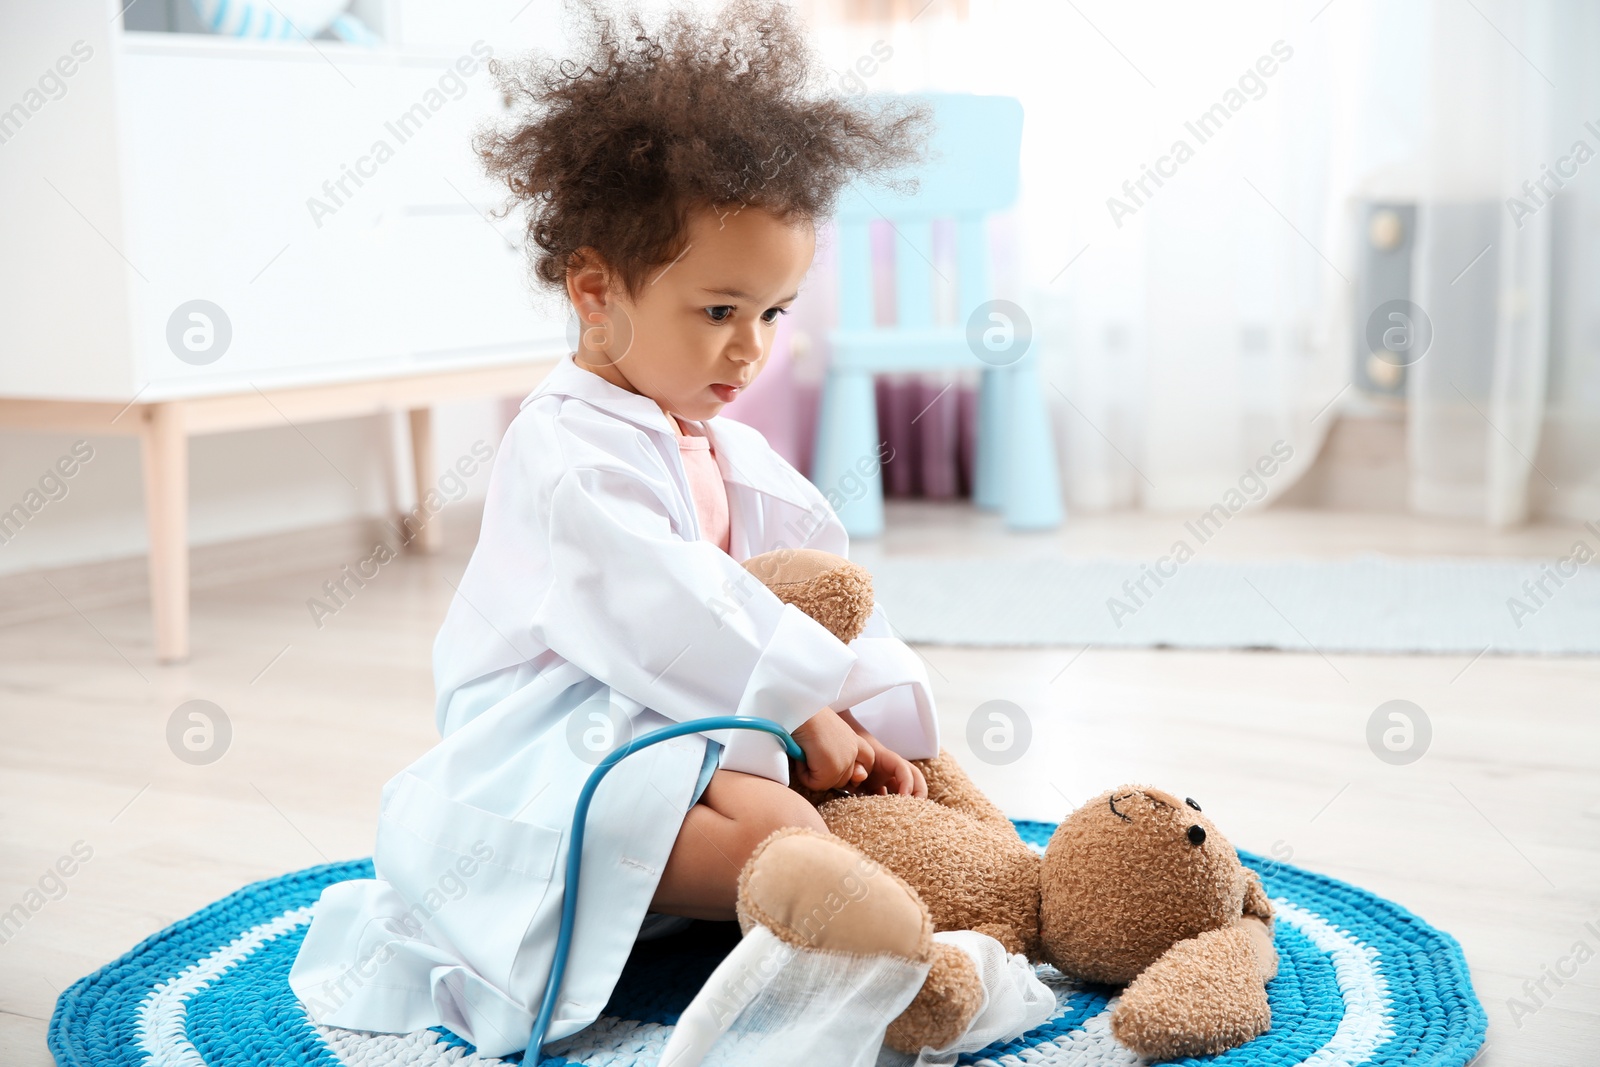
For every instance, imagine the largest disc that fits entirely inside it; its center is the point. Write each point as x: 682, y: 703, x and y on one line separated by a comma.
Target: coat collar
x: 566, y: 378
x: 742, y: 453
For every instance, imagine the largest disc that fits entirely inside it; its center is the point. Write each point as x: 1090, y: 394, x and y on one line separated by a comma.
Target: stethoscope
x: 697, y: 1028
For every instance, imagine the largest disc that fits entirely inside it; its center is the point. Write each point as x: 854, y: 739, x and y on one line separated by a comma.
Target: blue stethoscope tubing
x: 569, y: 904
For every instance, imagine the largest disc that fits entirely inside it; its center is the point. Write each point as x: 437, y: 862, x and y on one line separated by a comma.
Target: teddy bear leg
x: 1204, y: 996
x: 949, y: 785
x: 950, y: 998
x: 814, y: 890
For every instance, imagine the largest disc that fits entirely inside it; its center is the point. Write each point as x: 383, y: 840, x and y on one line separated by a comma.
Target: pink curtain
x: 928, y: 420
x: 780, y: 404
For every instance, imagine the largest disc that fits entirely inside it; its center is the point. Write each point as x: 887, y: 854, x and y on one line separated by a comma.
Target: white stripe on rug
x: 1367, y: 1007
x: 163, y: 1014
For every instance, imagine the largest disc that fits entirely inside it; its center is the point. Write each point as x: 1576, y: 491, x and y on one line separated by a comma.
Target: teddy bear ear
x: 785, y: 565
x: 768, y: 565
x: 1255, y: 896
x: 829, y: 588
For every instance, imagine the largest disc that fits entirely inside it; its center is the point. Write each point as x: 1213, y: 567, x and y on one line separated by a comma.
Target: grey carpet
x: 1365, y: 604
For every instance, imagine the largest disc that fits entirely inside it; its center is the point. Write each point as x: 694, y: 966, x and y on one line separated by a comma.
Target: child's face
x: 703, y: 322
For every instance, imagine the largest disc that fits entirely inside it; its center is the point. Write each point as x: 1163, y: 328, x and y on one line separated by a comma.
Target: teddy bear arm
x: 1257, y: 923
x: 949, y: 786
x: 1259, y: 933
x: 1203, y: 996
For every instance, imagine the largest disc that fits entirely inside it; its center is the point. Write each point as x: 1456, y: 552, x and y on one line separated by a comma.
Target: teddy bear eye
x: 1190, y: 801
x: 1197, y: 835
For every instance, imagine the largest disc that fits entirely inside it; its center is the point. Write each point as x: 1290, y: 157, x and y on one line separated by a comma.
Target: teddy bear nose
x: 1197, y: 835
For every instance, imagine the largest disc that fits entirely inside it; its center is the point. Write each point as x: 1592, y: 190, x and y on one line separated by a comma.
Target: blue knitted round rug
x: 1360, y: 981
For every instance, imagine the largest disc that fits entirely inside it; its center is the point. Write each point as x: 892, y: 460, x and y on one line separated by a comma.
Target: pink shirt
x: 705, y: 481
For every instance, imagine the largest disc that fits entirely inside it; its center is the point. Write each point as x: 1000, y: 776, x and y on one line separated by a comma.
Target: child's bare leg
x: 735, y: 814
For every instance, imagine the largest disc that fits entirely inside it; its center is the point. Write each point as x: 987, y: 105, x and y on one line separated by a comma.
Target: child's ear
x: 605, y: 325
x: 588, y: 283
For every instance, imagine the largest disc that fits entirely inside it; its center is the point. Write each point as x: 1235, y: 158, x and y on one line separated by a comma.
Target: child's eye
x: 720, y: 313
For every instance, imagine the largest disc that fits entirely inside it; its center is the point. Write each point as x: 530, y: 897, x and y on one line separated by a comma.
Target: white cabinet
x: 321, y: 200
x: 324, y: 196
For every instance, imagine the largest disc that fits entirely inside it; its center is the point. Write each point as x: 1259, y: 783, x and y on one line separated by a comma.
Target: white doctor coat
x: 589, y: 591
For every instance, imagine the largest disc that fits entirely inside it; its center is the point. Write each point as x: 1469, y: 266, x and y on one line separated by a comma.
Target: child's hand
x: 836, y: 756
x: 890, y: 772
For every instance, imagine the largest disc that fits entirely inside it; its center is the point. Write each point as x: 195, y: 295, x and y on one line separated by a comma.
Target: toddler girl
x: 674, y: 184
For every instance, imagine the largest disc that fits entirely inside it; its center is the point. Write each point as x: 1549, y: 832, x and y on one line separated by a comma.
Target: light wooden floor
x: 1494, y: 835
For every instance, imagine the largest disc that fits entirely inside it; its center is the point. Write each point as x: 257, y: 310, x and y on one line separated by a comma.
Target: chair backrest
x: 971, y: 170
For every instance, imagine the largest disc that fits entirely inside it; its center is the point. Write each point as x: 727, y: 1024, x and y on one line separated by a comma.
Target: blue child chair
x: 971, y: 171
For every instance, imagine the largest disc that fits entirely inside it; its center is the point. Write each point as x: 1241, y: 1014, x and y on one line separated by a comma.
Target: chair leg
x: 430, y: 538
x: 164, y: 449
x: 847, y: 454
x: 1032, y: 486
x: 989, y: 462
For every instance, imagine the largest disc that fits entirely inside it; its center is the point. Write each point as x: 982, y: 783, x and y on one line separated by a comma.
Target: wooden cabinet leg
x: 430, y: 537
x: 164, y: 445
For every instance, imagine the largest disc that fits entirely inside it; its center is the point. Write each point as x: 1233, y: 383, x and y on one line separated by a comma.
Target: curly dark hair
x: 614, y: 148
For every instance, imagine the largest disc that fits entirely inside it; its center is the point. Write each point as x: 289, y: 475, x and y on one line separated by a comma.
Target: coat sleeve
x: 887, y: 691
x: 676, y: 625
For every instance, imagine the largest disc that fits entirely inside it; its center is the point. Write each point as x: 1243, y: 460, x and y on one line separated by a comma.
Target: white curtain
x: 1187, y: 237
x: 1179, y: 242
x: 1504, y: 406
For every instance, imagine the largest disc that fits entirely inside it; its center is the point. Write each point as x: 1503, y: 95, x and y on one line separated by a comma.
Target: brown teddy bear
x: 1136, y: 888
